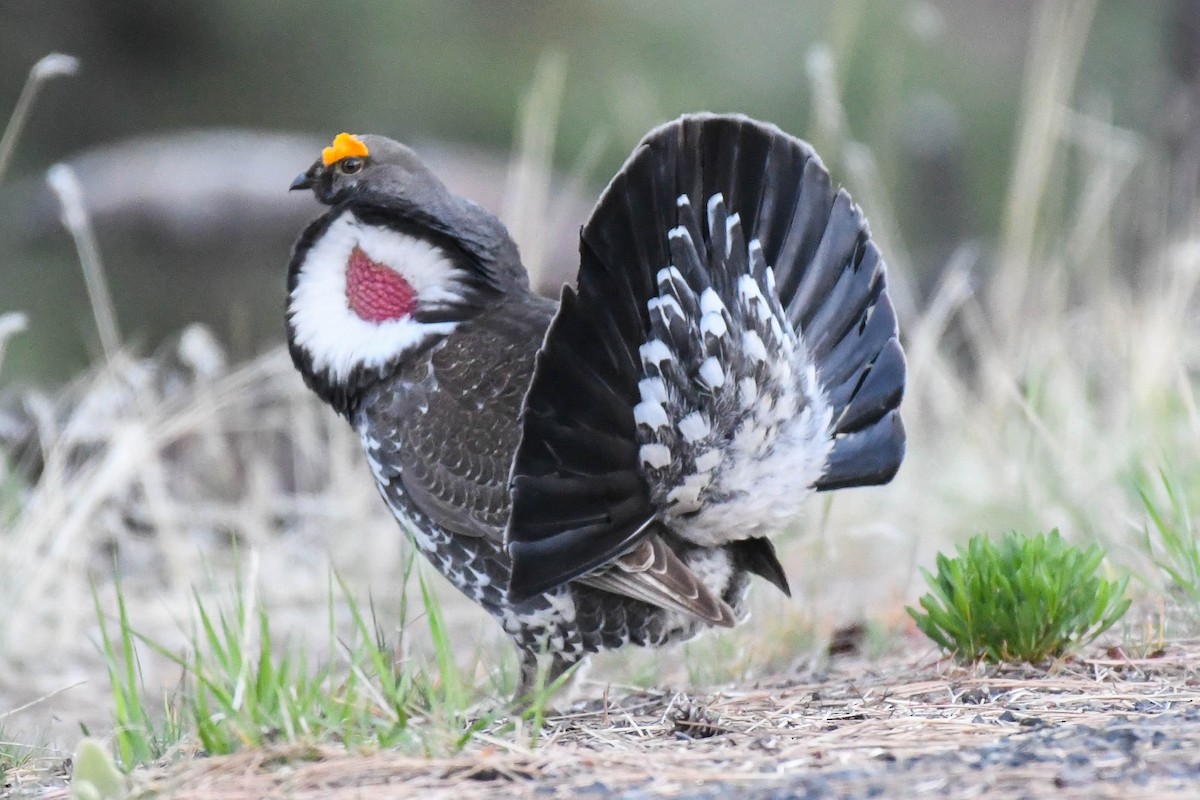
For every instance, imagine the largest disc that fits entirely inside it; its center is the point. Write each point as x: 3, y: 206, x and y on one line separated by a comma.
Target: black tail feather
x: 792, y: 254
x: 843, y: 236
x: 872, y: 391
x: 875, y: 327
x: 867, y: 456
x: 843, y: 306
x: 577, y: 507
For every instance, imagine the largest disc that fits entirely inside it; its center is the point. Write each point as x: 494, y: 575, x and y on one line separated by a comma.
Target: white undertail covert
x: 759, y: 436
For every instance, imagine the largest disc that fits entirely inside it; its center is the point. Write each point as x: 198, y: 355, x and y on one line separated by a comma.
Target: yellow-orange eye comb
x: 344, y: 145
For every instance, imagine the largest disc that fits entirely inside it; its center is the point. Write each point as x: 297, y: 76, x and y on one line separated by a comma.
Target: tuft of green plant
x: 244, y: 688
x: 1022, y: 598
x: 13, y: 754
x: 1171, y: 541
x: 139, y: 737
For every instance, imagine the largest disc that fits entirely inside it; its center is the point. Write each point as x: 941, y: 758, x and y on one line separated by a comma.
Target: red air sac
x: 375, y: 292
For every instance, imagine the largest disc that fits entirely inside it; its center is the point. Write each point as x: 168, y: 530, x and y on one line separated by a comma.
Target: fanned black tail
x: 584, y: 487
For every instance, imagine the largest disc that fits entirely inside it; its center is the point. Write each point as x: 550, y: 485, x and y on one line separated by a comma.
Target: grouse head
x: 394, y: 266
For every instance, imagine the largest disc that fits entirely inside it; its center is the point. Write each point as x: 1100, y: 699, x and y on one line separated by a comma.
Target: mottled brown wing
x: 652, y: 573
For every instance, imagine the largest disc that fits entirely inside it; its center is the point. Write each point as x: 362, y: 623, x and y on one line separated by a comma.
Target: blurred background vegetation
x: 188, y: 118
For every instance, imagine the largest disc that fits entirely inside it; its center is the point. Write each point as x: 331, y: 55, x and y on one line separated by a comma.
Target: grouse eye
x: 349, y: 166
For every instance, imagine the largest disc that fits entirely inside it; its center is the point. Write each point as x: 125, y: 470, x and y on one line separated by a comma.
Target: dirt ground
x: 1109, y: 726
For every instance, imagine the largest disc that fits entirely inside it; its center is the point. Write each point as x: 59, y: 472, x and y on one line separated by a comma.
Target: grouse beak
x: 308, y: 178
x: 305, y: 180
